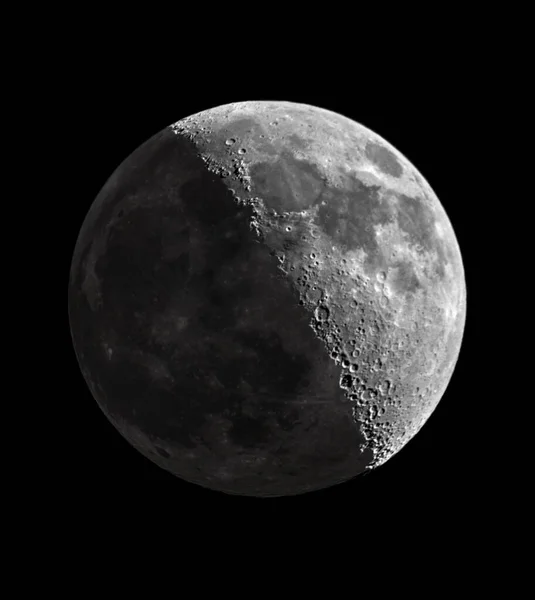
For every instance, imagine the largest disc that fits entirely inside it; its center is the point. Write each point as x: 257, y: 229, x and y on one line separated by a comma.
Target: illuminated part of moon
x: 267, y: 298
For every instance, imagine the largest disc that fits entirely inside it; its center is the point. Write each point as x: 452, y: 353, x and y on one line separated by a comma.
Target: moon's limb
x: 267, y: 298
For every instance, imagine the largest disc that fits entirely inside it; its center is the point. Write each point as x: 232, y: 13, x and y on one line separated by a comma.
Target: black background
x: 433, y: 122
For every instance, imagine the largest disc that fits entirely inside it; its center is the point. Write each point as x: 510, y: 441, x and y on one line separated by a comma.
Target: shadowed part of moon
x: 186, y: 289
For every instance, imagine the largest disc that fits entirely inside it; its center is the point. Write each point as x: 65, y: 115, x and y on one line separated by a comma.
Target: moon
x: 267, y: 298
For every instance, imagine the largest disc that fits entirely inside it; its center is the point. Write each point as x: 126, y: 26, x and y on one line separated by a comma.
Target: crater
x: 163, y: 453
x: 384, y: 159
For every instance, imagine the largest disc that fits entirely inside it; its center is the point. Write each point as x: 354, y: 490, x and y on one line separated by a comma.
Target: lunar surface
x: 267, y: 298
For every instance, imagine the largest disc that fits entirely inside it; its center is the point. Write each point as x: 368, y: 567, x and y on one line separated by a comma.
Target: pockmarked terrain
x: 267, y: 298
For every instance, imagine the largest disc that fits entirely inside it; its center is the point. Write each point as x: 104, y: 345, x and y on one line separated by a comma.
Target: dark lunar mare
x: 188, y: 334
